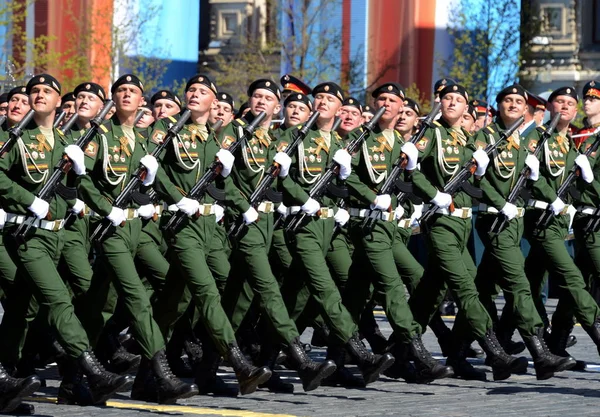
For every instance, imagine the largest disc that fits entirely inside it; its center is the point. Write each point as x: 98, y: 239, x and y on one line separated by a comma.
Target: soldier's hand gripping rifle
x: 501, y: 220
x: 332, y: 170
x: 15, y: 132
x: 137, y: 178
x: 548, y: 214
x: 272, y: 173
x: 212, y: 172
x: 61, y: 169
x: 468, y: 170
x: 398, y: 168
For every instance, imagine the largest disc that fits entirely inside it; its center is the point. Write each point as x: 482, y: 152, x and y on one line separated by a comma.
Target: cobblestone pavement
x: 567, y: 394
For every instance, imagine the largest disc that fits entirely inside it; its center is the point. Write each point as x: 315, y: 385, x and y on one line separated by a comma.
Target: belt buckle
x: 206, y: 210
x: 324, y: 212
x: 129, y: 214
x: 465, y: 214
x: 268, y: 206
x: 56, y: 225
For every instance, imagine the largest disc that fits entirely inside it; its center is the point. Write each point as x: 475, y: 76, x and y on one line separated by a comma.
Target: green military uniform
x: 547, y: 247
x: 111, y: 160
x: 23, y: 171
x: 371, y: 164
x: 502, y: 262
x: 252, y: 247
x: 443, y: 151
x: 311, y: 242
x: 182, y: 164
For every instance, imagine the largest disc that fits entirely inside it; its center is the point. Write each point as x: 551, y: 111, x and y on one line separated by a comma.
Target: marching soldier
x: 164, y: 104
x: 502, y: 262
x: 469, y: 117
x: 351, y: 115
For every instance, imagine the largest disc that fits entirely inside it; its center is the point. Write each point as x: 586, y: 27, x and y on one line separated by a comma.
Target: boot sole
x: 316, y: 381
x: 173, y: 400
x: 250, y: 386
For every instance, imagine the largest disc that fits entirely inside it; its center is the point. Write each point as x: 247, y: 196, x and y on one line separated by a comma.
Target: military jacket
x: 309, y: 161
x: 26, y: 167
x: 110, y: 162
x: 442, y: 154
x: 590, y: 195
x: 506, y: 163
x: 556, y: 160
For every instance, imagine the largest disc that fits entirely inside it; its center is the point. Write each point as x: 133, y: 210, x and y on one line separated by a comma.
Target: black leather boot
x: 370, y: 365
x: 594, y: 332
x: 427, y: 367
x: 462, y: 368
x: 12, y: 390
x: 320, y: 336
x: 503, y: 365
x: 174, y: 350
x: 556, y: 341
x: 103, y: 384
x: 446, y: 338
x: 403, y: 368
x: 115, y: 356
x: 268, y: 357
x: 169, y: 388
x: 342, y: 377
x: 208, y: 381
x: 144, y: 387
x: 311, y: 373
x: 249, y: 376
x: 544, y: 361
x: 73, y: 390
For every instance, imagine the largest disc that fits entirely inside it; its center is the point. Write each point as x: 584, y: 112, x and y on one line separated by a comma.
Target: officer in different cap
x: 291, y: 84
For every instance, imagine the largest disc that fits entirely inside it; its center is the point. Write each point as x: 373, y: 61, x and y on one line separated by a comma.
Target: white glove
x: 509, y: 210
x: 584, y: 166
x: 2, y: 218
x: 75, y: 154
x: 116, y: 216
x: 442, y: 200
x: 78, y: 206
x: 250, y: 216
x: 219, y: 212
x: 341, y: 217
x: 343, y: 158
x: 151, y: 165
x: 411, y: 152
x: 147, y: 211
x: 282, y: 209
x: 284, y: 162
x: 416, y: 215
x: 188, y: 206
x: 398, y: 213
x: 557, y: 206
x: 571, y: 211
x: 226, y: 159
x: 40, y: 208
x: 482, y: 160
x: 534, y: 167
x: 382, y: 202
x: 311, y: 207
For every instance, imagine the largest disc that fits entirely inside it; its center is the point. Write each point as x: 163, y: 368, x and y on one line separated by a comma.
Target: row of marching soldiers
x: 209, y: 234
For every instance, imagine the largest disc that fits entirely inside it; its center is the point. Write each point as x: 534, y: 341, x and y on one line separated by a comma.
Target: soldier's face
x: 146, y: 120
x: 68, y: 108
x: 221, y: 111
x: 591, y: 106
x: 200, y: 98
x: 468, y: 123
x: 407, y: 121
x: 44, y: 99
x: 453, y: 107
x: 3, y: 109
x: 165, y: 108
x: 538, y: 116
x: 512, y: 107
x: 296, y: 112
x: 367, y: 116
x: 88, y: 105
x: 264, y: 100
x: 18, y: 107
x: 566, y: 106
x: 351, y: 118
x: 127, y: 98
x: 328, y: 105
x: 393, y: 106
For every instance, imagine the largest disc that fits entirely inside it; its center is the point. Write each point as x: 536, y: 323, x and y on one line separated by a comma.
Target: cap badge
x: 42, y: 79
x: 128, y: 78
x: 164, y: 94
x: 299, y: 96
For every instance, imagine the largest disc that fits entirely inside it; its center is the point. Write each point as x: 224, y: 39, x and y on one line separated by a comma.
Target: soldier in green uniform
x: 252, y: 247
x: 164, y: 104
x: 310, y: 242
x: 444, y: 150
x: 111, y: 158
x: 374, y: 257
x: 547, y: 245
x: 502, y: 263
x: 23, y: 170
x: 182, y: 164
